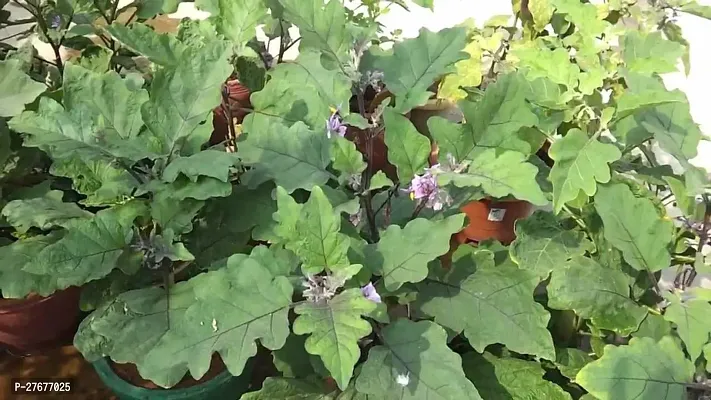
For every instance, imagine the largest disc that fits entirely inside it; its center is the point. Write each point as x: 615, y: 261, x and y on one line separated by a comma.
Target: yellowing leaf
x: 467, y: 74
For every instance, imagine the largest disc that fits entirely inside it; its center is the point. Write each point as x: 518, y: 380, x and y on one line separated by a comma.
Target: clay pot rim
x: 19, y: 305
x: 114, y: 382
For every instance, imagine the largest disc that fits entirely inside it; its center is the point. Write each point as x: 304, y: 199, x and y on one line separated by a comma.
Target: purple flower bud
x: 370, y: 293
x: 55, y: 21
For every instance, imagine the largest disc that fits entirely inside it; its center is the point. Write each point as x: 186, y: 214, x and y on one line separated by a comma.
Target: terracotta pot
x: 493, y: 219
x: 37, y: 323
x: 379, y: 160
x: 239, y: 99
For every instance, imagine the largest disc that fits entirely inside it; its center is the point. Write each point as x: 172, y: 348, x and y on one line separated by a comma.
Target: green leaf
x: 182, y: 97
x: 650, y: 53
x: 580, y: 162
x: 694, y: 8
x: 162, y: 49
x: 633, y: 225
x: 15, y: 280
x: 100, y: 118
x: 335, y: 328
x: 238, y: 20
x: 492, y: 305
x: 318, y: 240
x: 500, y: 176
x: 584, y: 16
x: 653, y: 326
x: 379, y: 181
x: 408, y: 150
x: 493, y: 122
x: 510, y: 378
x: 300, y: 90
x: 175, y: 215
x: 467, y: 74
x: 295, y: 158
x: 644, y: 369
x: 542, y: 11
x: 406, y: 251
x: 167, y: 334
x: 44, y: 212
x: 596, y: 293
x: 211, y: 163
x: 290, y: 389
x: 292, y: 360
x: 674, y: 33
x: 416, y: 63
x: 101, y: 181
x: 570, y: 361
x: 541, y: 62
x: 346, y: 157
x: 322, y: 27
x: 16, y: 88
x: 415, y: 352
x: 183, y: 188
x: 692, y: 322
x: 283, y: 228
x: 645, y: 92
x: 90, y: 249
x: 424, y: 3
x: 542, y: 245
x: 224, y: 225
x: 707, y: 356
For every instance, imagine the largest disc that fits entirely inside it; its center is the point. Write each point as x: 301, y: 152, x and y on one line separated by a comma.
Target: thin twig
x: 280, y: 57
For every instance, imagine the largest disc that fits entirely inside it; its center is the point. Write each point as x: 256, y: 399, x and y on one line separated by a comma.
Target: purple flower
x: 335, y: 126
x: 370, y: 293
x: 425, y: 188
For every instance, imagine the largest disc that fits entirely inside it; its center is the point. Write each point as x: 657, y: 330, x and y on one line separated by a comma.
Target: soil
x: 129, y: 373
x: 64, y: 362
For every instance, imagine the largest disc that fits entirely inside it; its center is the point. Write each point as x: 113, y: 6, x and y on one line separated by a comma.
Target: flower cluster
x: 321, y: 288
x: 425, y: 187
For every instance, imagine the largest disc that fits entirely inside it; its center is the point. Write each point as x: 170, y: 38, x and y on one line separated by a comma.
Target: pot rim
x: 19, y: 305
x: 117, y: 384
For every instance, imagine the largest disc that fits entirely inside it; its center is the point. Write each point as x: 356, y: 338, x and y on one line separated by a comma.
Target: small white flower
x: 403, y: 379
x: 214, y: 325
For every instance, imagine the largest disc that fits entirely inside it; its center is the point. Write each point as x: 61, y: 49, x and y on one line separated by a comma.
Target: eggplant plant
x: 348, y: 278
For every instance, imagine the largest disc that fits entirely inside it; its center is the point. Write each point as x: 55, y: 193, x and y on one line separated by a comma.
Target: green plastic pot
x: 223, y: 386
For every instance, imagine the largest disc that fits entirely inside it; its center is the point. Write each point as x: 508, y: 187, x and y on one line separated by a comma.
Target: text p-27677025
x: 39, y: 386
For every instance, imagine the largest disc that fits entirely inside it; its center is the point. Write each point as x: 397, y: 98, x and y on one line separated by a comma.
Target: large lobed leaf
x: 336, y: 327
x: 692, y: 322
x: 406, y: 251
x: 510, y: 378
x: 580, y: 162
x: 596, y: 293
x: 633, y: 225
x: 500, y: 176
x: 15, y: 281
x: 100, y: 118
x: 42, y: 212
x: 542, y: 245
x: 492, y: 122
x: 490, y: 305
x: 295, y: 157
x: 16, y: 88
x: 312, y: 231
x: 90, y: 248
x: 415, y: 64
x: 322, y: 27
x: 644, y: 369
x: 168, y: 334
x: 300, y: 90
x: 416, y: 352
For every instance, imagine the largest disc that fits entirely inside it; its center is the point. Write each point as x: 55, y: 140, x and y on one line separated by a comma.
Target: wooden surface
x: 60, y: 363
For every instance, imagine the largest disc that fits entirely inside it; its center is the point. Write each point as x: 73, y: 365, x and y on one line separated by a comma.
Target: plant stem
x: 702, y: 241
x: 282, y: 47
x: 575, y: 217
